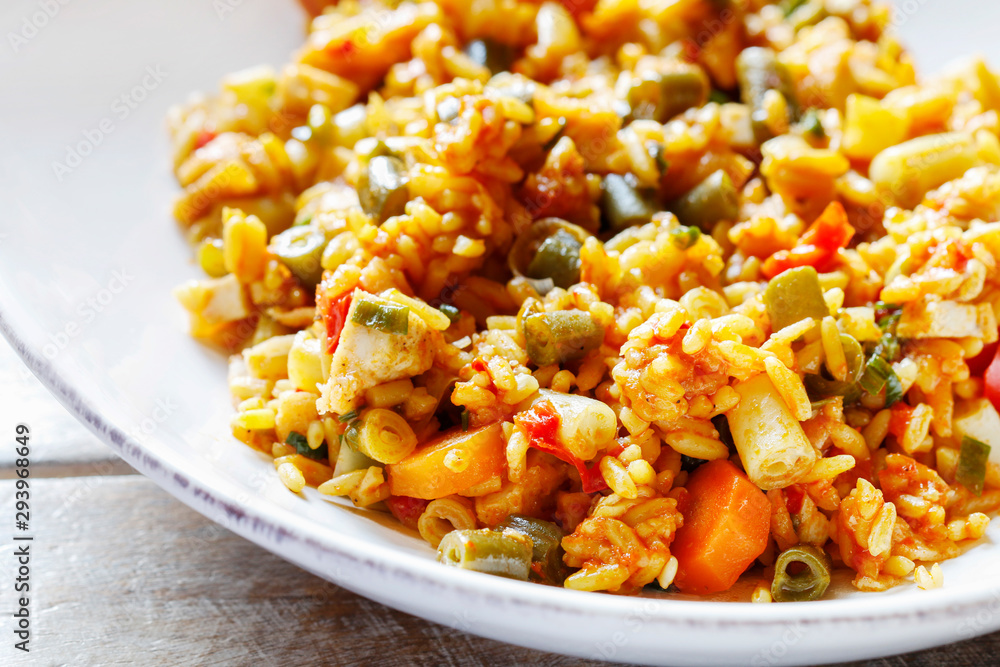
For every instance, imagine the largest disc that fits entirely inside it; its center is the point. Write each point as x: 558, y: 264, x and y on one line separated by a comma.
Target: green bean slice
x: 623, y: 204
x: 546, y: 538
x: 850, y: 389
x: 660, y: 96
x: 712, y: 200
x: 382, y: 188
x: 792, y: 296
x: 301, y: 250
x: 562, y: 336
x: 385, y: 316
x: 972, y: 460
x: 810, y: 584
x: 505, y: 554
x: 495, y: 56
x: 557, y: 258
x: 684, y: 237
x: 758, y: 71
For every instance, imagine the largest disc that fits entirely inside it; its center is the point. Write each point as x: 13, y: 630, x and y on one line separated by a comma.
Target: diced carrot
x: 725, y: 529
x: 817, y: 247
x: 423, y: 474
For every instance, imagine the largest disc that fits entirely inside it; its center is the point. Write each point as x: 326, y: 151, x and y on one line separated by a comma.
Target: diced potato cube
x: 979, y: 419
x: 944, y: 319
x: 305, y: 369
x: 870, y: 128
x: 268, y: 360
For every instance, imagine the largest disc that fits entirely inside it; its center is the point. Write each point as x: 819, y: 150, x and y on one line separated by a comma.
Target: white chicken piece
x: 947, y: 319
x: 367, y: 356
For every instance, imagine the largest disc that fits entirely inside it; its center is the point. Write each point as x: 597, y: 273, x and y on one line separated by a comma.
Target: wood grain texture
x: 123, y: 574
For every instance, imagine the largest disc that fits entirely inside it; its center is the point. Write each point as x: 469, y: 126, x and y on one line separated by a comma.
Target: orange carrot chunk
x: 726, y: 524
x: 425, y: 473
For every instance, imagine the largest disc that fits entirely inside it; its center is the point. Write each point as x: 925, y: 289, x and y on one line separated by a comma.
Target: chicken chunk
x: 367, y: 356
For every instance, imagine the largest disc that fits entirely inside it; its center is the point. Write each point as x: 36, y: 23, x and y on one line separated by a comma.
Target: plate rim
x: 265, y: 529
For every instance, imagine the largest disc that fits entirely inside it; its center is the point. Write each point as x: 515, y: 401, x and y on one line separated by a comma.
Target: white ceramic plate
x: 88, y: 254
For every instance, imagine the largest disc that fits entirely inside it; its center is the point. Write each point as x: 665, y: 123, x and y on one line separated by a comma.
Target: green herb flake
x: 811, y: 124
x: 348, y: 417
x: 465, y: 421
x: 301, y: 445
x: 972, y: 460
x: 893, y: 389
x: 352, y: 434
x: 684, y: 237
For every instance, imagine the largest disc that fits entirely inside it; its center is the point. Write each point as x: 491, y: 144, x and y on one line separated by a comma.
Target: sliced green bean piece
x: 855, y: 356
x: 301, y: 250
x: 809, y: 584
x: 546, y: 538
x: 660, y: 96
x: 623, y: 204
x: 383, y: 315
x: 557, y: 258
x: 684, y: 237
x: 714, y: 199
x: 382, y: 188
x: 453, y: 313
x: 758, y: 71
x: 972, y: 460
x: 561, y: 336
x: 792, y: 296
x: 503, y: 554
x: 818, y: 386
x: 495, y: 56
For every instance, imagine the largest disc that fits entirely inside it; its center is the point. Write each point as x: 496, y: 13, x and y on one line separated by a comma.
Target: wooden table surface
x: 124, y: 574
